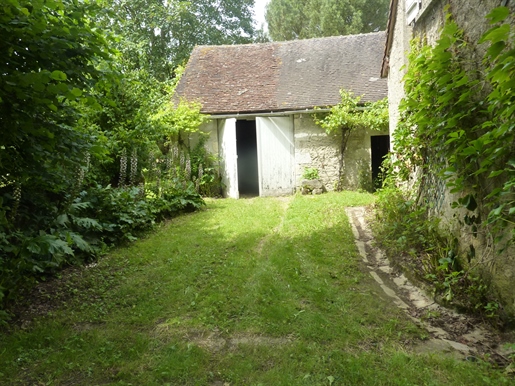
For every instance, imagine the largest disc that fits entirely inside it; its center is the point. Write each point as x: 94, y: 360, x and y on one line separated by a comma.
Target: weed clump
x: 421, y: 247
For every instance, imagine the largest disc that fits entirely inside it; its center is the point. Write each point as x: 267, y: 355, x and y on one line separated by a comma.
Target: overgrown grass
x: 248, y: 292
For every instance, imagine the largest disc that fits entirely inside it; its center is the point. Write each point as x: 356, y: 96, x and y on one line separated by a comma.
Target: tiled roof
x: 294, y: 75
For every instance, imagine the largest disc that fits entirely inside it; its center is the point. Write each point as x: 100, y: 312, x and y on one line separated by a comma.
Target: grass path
x: 247, y: 292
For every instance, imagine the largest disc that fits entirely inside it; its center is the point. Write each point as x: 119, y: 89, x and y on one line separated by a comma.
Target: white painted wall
x: 398, y: 64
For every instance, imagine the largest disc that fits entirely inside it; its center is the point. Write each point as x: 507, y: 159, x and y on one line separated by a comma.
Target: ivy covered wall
x: 454, y: 138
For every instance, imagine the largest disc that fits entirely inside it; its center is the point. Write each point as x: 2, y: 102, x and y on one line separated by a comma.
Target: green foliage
x: 351, y: 114
x: 82, y: 127
x: 178, y: 168
x: 497, y: 144
x: 310, y: 174
x: 418, y: 245
x: 51, y: 58
x: 158, y: 35
x: 294, y: 19
x: 204, y: 170
x: 398, y: 216
x: 458, y: 127
x: 120, y: 214
x: 184, y: 117
x: 138, y: 114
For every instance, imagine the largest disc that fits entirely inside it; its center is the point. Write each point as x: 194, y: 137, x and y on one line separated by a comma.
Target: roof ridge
x: 282, y: 42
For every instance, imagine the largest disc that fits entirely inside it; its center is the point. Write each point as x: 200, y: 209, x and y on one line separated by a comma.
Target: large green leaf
x: 498, y: 14
x: 58, y: 75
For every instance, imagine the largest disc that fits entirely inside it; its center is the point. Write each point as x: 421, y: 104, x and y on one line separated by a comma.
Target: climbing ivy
x: 349, y: 115
x: 458, y: 123
x: 498, y: 141
x: 352, y: 114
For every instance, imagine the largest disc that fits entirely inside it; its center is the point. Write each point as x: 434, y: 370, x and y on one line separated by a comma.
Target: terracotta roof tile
x: 292, y: 75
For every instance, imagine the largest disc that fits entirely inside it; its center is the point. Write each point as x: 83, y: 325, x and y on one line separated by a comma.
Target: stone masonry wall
x: 398, y: 61
x: 315, y: 149
x: 357, y: 169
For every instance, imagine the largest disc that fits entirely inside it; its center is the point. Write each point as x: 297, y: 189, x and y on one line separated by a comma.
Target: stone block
x: 312, y: 187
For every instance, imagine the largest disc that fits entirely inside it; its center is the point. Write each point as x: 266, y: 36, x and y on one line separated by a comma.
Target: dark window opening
x: 246, y: 148
x: 380, y: 145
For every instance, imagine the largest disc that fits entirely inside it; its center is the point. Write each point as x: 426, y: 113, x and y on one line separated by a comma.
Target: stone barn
x: 261, y: 99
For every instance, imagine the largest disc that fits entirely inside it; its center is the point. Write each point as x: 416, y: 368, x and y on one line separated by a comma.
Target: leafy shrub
x: 171, y: 202
x: 98, y: 218
x: 204, y: 170
x: 120, y: 213
x: 310, y: 174
x: 418, y: 245
x: 456, y: 119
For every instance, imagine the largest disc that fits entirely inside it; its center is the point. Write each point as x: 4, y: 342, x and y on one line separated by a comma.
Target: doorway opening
x: 380, y: 146
x: 246, y: 149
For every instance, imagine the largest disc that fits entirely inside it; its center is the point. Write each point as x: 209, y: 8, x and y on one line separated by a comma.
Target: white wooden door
x: 228, y: 156
x: 276, y: 155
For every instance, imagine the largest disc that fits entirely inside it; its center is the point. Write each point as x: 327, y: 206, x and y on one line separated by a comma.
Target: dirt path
x: 464, y: 336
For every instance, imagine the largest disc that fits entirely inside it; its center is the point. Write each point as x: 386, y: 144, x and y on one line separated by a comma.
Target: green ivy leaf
x: 497, y: 211
x: 39, y: 87
x: 496, y: 173
x: 496, y: 34
x: 498, y: 14
x: 494, y: 193
x: 495, y: 49
x: 471, y: 150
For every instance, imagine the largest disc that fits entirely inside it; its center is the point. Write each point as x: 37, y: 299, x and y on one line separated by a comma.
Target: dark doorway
x: 246, y: 148
x: 380, y: 145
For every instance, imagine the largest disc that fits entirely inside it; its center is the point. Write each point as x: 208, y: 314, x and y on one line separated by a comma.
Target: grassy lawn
x: 247, y: 292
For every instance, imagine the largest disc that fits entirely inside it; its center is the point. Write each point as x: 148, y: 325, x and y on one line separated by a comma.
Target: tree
x: 51, y: 56
x: 154, y: 37
x: 158, y: 35
x: 294, y: 19
x: 79, y: 117
x: 287, y: 19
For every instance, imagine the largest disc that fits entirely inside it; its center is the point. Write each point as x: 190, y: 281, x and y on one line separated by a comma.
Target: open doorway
x: 246, y: 149
x: 380, y: 146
